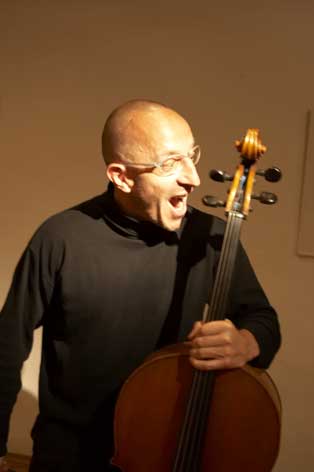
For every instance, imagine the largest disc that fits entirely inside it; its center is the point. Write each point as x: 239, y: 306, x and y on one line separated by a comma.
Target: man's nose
x: 188, y: 174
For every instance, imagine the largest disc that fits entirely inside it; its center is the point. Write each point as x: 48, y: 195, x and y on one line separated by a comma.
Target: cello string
x: 188, y: 447
x: 223, y: 263
x: 193, y: 433
x: 218, y: 309
x: 186, y: 428
x: 217, y: 284
x: 190, y: 441
x: 226, y: 265
x: 200, y: 393
x: 207, y: 389
x: 228, y: 270
x: 204, y: 392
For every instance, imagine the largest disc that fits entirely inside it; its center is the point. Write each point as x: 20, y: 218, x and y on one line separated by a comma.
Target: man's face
x: 157, y: 198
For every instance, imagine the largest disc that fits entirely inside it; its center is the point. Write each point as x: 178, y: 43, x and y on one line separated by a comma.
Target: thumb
x: 196, y: 327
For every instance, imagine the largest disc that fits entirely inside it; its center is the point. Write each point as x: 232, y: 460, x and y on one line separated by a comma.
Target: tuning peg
x: 272, y: 174
x: 266, y: 197
x: 211, y: 201
x: 219, y: 175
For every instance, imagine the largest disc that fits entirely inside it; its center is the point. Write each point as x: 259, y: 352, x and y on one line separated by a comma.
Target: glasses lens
x: 168, y: 166
x: 173, y: 164
x: 196, y: 154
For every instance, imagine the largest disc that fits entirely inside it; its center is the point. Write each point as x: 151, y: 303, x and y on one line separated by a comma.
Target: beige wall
x: 226, y: 66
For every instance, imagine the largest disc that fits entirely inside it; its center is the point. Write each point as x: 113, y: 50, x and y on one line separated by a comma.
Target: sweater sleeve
x: 251, y: 310
x: 22, y: 312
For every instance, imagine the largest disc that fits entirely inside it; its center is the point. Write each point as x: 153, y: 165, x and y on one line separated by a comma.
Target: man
x: 117, y: 277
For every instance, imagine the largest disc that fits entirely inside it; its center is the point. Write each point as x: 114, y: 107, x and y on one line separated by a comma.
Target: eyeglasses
x: 170, y: 165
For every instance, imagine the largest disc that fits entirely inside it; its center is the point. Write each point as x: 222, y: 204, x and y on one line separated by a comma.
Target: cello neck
x: 216, y: 310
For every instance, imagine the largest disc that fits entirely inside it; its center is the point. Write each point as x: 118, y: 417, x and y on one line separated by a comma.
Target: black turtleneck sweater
x: 109, y: 290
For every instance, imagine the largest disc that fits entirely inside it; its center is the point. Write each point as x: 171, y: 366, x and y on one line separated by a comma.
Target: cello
x: 170, y: 417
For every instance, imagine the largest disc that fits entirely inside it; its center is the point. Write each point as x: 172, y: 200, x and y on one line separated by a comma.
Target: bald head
x: 136, y: 131
x: 138, y: 137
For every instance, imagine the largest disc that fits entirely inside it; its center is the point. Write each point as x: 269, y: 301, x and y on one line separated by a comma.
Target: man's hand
x: 220, y: 345
x: 3, y: 465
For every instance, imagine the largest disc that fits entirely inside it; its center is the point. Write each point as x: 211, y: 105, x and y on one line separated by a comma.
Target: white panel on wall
x: 306, y: 221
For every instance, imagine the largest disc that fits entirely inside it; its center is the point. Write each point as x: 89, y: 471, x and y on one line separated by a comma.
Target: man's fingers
x: 211, y: 328
x: 196, y: 329
x: 212, y: 364
x: 211, y: 352
x: 215, y: 340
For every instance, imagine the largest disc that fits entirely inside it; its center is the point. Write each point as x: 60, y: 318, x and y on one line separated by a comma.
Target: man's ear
x: 117, y: 174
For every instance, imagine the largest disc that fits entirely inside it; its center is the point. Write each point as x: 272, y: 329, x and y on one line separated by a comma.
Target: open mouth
x: 178, y: 204
x: 176, y: 201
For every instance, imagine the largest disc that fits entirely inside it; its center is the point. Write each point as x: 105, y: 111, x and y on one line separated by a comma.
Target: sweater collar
x: 132, y: 228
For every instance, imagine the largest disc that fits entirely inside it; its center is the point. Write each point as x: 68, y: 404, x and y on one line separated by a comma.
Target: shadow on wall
x: 22, y: 420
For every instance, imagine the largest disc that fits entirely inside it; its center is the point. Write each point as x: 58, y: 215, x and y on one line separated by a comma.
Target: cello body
x: 243, y: 428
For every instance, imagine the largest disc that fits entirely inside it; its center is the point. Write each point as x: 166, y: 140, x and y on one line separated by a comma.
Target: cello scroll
x: 240, y: 193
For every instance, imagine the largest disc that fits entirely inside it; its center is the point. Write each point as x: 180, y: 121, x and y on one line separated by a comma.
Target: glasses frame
x: 194, y: 153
